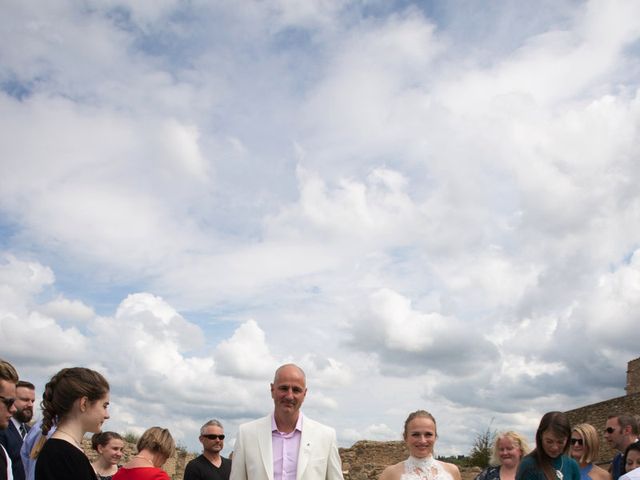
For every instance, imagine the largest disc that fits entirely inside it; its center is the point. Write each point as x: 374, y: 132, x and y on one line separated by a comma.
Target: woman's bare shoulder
x: 452, y: 469
x: 599, y: 473
x: 392, y: 472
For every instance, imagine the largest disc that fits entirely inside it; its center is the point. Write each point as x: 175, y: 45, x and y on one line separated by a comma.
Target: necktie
x: 23, y: 430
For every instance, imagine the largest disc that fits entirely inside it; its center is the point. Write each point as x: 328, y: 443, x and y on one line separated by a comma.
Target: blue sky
x: 426, y: 205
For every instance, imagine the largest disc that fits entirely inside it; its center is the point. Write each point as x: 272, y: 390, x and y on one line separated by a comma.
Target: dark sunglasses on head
x: 8, y: 401
x: 609, y: 430
x: 579, y: 441
x: 213, y: 436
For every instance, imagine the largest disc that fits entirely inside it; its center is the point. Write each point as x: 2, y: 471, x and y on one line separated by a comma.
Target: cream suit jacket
x: 318, y: 458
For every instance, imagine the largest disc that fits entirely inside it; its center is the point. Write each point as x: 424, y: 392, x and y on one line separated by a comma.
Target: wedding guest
x: 585, y: 447
x: 549, y: 461
x: 621, y: 430
x: 632, y: 459
x: 508, y: 450
x: 29, y: 451
x: 420, y: 435
x: 78, y: 400
x: 12, y: 438
x: 110, y: 448
x: 286, y: 441
x: 155, y: 447
x: 8, y: 380
x: 211, y: 465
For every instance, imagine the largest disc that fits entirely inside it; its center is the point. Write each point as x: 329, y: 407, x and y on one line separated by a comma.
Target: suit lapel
x: 306, y: 443
x: 266, y: 449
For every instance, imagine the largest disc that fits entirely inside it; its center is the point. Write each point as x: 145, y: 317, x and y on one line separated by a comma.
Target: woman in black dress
x: 76, y: 400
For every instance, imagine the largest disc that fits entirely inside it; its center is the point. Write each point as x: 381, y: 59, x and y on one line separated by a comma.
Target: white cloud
x: 399, y: 200
x: 380, y: 432
x: 37, y: 338
x: 64, y: 309
x: 246, y: 353
x: 614, y: 308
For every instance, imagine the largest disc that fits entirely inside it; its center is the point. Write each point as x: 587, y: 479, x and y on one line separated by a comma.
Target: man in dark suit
x: 11, y: 438
x: 8, y: 380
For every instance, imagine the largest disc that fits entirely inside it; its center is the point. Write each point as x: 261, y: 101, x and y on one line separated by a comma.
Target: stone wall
x: 633, y: 377
x: 597, y: 413
x: 366, y: 460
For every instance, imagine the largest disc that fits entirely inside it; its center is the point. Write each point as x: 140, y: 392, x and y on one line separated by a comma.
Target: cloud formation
x: 425, y: 208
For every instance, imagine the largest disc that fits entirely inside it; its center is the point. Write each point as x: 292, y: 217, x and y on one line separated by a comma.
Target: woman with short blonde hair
x: 508, y: 449
x: 584, y: 449
x: 155, y: 447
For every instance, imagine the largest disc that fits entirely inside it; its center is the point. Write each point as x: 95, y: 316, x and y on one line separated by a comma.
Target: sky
x: 426, y: 205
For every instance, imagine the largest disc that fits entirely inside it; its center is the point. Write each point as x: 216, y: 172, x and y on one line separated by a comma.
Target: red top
x: 140, y: 473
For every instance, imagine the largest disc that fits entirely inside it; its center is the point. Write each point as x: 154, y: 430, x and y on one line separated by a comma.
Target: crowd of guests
x: 75, y: 402
x: 284, y: 445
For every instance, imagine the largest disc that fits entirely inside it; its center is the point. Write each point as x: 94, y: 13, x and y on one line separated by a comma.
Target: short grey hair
x: 214, y: 422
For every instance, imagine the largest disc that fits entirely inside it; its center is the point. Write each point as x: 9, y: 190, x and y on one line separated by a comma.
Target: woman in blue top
x: 585, y: 448
x: 548, y: 461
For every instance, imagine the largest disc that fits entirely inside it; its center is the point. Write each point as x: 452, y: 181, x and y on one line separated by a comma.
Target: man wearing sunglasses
x: 210, y: 465
x: 620, y: 431
x: 11, y: 438
x: 8, y: 380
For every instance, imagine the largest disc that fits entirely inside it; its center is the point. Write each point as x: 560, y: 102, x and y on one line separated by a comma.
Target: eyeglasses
x: 8, y: 401
x: 609, y: 430
x: 213, y: 436
x: 578, y: 441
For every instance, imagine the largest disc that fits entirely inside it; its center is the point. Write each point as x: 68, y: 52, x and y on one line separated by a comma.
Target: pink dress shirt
x: 285, y: 450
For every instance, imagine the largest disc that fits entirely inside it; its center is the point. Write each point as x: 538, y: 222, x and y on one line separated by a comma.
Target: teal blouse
x: 529, y: 469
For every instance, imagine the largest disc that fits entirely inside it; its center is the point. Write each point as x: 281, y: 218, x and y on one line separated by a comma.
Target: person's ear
x: 84, y: 401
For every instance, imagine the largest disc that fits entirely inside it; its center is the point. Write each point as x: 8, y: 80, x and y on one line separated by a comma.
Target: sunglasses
x: 8, y: 401
x: 609, y: 430
x: 213, y: 436
x: 578, y: 441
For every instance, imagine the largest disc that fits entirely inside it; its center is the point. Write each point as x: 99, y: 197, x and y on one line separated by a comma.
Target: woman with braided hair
x: 76, y: 400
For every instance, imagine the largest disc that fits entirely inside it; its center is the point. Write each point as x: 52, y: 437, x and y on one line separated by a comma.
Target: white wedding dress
x: 424, y: 469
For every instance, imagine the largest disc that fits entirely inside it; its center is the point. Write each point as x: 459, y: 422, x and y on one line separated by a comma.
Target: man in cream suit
x: 286, y: 445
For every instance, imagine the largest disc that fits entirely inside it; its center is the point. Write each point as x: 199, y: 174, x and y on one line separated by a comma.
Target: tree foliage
x: 481, y: 451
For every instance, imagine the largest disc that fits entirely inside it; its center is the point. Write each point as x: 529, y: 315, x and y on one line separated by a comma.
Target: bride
x: 420, y: 435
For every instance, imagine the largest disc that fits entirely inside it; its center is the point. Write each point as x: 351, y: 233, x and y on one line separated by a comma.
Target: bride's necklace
x: 75, y: 442
x: 420, y: 463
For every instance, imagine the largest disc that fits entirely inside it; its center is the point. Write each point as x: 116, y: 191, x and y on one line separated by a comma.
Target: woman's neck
x: 145, y: 458
x: 71, y: 432
x: 104, y: 467
x: 508, y: 472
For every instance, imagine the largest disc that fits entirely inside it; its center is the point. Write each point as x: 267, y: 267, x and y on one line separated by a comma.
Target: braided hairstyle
x: 61, y: 392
